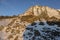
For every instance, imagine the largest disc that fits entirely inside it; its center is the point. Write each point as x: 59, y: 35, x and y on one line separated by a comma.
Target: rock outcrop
x: 14, y: 27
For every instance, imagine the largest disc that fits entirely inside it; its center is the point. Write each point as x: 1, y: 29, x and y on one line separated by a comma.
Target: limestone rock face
x: 14, y: 27
x: 38, y: 10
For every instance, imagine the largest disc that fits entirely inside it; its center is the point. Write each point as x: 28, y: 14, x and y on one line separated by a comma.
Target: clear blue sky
x: 15, y: 7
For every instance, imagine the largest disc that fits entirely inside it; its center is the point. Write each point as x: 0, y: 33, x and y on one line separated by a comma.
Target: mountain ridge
x: 14, y: 26
x: 37, y: 10
x: 36, y: 13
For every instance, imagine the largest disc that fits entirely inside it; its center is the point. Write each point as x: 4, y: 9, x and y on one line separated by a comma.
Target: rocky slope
x: 12, y: 28
x: 42, y: 31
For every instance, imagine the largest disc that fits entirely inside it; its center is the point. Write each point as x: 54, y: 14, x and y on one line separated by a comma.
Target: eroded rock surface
x: 13, y: 28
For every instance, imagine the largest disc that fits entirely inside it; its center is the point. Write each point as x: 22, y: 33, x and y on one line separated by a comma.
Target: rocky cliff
x: 13, y: 27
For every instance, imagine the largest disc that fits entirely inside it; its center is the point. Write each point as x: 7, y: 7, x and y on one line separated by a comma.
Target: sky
x: 15, y: 7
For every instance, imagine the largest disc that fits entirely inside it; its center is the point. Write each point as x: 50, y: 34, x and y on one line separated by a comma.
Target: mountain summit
x: 13, y: 27
x: 42, y: 12
x: 38, y: 10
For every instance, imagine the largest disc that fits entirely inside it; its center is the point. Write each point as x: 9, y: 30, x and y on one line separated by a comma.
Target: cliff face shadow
x: 49, y: 30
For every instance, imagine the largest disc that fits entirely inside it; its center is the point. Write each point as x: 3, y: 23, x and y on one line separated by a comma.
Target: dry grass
x: 16, y: 38
x: 8, y: 29
x: 1, y: 28
x: 10, y: 36
x: 29, y: 18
